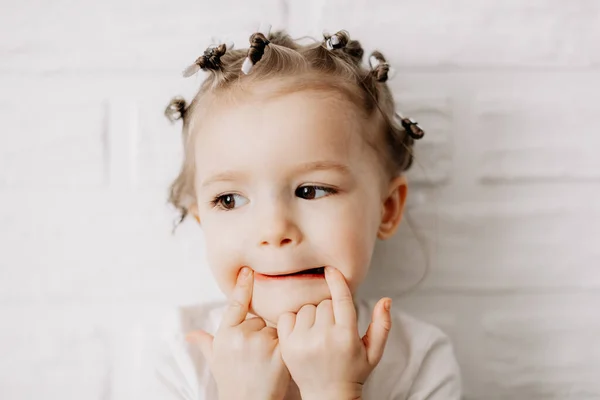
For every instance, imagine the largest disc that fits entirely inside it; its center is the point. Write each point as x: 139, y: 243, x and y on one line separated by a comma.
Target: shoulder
x: 174, y: 369
x: 418, y: 361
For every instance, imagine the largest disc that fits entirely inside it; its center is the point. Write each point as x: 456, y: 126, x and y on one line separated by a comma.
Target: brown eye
x: 311, y: 192
x: 228, y: 202
x: 306, y: 192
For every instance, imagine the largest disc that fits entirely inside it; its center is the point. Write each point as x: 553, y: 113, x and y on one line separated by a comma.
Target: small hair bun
x: 338, y: 40
x: 258, y: 42
x: 175, y: 109
x: 210, y: 60
x: 379, y: 66
x: 412, y: 128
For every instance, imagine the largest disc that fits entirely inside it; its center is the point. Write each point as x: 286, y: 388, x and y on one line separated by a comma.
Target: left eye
x: 228, y: 201
x: 311, y: 192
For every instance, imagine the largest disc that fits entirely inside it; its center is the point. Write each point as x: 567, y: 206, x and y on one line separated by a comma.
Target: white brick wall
x: 505, y: 202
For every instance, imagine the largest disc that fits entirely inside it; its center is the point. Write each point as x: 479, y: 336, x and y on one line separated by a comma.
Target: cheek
x: 347, y: 238
x: 355, y: 247
x: 220, y: 255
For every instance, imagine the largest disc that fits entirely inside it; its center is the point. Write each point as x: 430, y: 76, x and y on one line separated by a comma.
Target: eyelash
x: 216, y: 202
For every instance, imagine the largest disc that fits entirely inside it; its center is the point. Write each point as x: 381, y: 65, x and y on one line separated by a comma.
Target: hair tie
x: 379, y: 66
x: 337, y: 41
x: 175, y: 109
x: 258, y: 43
x: 211, y: 59
x: 411, y: 127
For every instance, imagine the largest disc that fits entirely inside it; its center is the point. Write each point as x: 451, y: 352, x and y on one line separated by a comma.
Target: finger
x: 285, y: 325
x: 305, y: 318
x: 324, y: 315
x: 270, y: 332
x: 204, y: 340
x: 341, y: 297
x: 253, y: 324
x: 240, y: 299
x: 378, y: 331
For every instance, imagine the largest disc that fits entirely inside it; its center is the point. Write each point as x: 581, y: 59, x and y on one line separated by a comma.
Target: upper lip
x: 289, y: 272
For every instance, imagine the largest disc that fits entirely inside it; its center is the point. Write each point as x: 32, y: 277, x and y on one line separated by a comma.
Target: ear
x: 193, y: 210
x: 392, y: 207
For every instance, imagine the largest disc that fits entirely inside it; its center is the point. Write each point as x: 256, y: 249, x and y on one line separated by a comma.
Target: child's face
x: 260, y: 153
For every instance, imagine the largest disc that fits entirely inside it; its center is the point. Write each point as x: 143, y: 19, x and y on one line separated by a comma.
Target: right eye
x: 227, y: 202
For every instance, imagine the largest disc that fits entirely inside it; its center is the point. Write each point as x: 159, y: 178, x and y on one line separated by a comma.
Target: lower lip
x: 262, y: 277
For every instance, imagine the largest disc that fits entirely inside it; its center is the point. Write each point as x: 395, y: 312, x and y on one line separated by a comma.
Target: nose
x: 278, y: 228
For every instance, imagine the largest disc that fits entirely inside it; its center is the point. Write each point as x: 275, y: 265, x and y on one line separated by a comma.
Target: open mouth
x: 318, y: 272
x: 312, y: 271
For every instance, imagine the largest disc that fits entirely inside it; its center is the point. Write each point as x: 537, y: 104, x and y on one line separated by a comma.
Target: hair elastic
x: 258, y: 42
x: 211, y: 59
x: 411, y: 127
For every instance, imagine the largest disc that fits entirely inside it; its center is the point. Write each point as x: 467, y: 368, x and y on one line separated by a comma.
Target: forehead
x: 274, y: 132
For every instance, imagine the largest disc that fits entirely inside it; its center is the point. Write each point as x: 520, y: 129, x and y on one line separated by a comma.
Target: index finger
x: 239, y: 302
x: 341, y: 298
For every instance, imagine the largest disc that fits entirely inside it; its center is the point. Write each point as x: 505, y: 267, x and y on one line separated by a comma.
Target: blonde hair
x: 334, y: 65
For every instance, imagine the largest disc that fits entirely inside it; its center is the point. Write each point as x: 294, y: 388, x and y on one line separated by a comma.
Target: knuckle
x: 325, y: 304
x: 286, y: 319
x: 261, y: 324
x: 236, y: 304
x: 345, y: 302
x: 287, y: 316
x: 255, y: 323
x: 237, y: 340
x: 240, y: 335
x: 386, y: 324
x: 269, y: 332
x: 307, y: 308
x: 344, y: 299
x: 260, y: 342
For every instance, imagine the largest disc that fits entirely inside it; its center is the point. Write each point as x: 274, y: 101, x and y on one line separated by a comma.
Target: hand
x: 244, y: 355
x: 322, y: 348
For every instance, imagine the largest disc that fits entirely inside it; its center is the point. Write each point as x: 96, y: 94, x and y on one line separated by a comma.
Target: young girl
x: 294, y: 166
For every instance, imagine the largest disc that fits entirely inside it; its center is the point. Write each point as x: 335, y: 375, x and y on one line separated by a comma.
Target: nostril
x: 281, y: 243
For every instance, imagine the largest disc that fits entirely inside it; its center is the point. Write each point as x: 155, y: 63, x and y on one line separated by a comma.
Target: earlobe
x: 392, y: 208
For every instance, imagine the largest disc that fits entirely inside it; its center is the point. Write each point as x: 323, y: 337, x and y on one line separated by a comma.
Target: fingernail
x: 245, y: 272
x: 387, y: 305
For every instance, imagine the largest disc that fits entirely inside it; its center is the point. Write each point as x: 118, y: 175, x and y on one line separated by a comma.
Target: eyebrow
x: 229, y: 176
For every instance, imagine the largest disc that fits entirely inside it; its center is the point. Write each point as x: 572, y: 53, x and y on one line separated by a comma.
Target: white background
x: 505, y: 195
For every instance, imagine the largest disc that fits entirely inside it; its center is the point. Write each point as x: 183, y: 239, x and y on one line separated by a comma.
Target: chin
x: 270, y: 316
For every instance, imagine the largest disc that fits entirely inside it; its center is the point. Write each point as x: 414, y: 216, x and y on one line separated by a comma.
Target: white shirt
x: 418, y: 362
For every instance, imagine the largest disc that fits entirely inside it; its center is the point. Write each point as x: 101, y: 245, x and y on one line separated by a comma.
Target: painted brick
x: 540, y: 345
x: 98, y: 245
x: 554, y: 354
x: 433, y: 153
x: 505, y: 206
x: 159, y: 146
x: 494, y: 247
x: 59, y: 144
x: 96, y: 350
x: 67, y: 355
x: 117, y: 36
x: 464, y: 33
x: 530, y: 138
